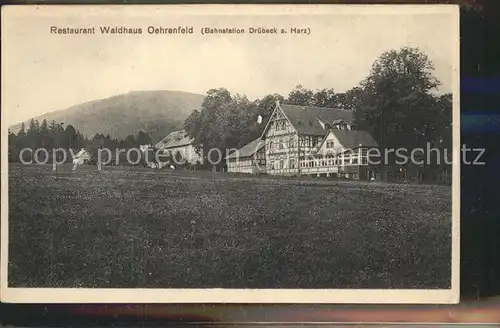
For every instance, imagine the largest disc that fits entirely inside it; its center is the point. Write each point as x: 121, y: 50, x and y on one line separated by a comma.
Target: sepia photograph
x: 231, y: 153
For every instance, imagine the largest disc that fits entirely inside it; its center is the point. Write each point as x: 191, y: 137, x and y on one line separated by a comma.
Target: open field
x: 146, y: 228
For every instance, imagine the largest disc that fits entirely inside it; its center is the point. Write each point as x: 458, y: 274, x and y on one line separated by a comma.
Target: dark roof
x: 351, y: 139
x: 305, y: 119
x: 248, y: 150
x: 175, y: 139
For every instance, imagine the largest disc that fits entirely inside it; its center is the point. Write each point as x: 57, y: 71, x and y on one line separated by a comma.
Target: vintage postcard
x: 230, y: 153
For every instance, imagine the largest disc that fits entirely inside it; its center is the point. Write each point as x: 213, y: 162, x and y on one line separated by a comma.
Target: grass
x: 126, y: 228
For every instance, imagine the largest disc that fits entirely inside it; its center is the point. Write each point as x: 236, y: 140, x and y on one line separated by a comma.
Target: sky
x: 44, y: 72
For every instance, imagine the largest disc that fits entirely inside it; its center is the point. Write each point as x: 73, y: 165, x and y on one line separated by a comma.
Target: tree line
x: 56, y: 135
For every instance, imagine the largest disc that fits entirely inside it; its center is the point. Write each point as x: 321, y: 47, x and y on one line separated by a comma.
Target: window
x: 307, y: 141
x: 292, y: 163
x: 280, y: 125
x: 271, y: 145
x: 291, y: 142
x: 280, y: 143
x: 330, y: 144
x: 282, y: 164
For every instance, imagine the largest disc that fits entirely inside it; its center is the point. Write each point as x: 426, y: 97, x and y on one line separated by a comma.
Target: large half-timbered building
x: 300, y: 140
x: 316, y: 141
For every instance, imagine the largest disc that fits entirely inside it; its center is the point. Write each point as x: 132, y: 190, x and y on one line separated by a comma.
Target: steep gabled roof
x: 248, y: 150
x: 352, y: 139
x: 175, y: 139
x: 305, y: 119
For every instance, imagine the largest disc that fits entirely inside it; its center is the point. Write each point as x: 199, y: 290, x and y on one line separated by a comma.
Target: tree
x: 301, y: 96
x: 192, y: 124
x: 351, y: 99
x: 13, y: 151
x: 143, y: 138
x: 203, y: 125
x: 268, y: 103
x: 70, y: 136
x: 22, y: 130
x: 129, y: 141
x: 397, y: 102
x: 32, y: 134
x: 20, y: 141
x: 45, y: 140
x: 226, y: 121
x: 325, y: 98
x: 56, y: 132
x: 396, y: 96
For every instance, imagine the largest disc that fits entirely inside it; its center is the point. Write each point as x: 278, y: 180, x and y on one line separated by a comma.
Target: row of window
x: 310, y: 142
x: 280, y: 125
x: 280, y: 144
x: 342, y: 126
x: 247, y: 162
x: 281, y: 164
x: 334, y: 162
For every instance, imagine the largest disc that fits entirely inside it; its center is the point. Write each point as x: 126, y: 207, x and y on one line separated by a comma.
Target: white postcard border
x: 380, y: 296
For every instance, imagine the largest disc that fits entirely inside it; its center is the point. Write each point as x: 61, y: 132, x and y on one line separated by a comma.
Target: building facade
x: 180, y: 148
x: 302, y: 140
x: 251, y: 159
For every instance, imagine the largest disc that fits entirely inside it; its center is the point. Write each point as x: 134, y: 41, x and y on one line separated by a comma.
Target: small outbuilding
x: 250, y: 158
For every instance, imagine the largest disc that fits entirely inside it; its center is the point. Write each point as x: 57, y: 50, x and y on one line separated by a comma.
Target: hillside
x: 155, y: 112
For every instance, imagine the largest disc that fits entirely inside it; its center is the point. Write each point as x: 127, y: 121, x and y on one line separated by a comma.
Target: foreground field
x: 142, y: 228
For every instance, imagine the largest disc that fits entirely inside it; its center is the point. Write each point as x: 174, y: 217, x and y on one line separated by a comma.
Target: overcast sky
x: 43, y: 72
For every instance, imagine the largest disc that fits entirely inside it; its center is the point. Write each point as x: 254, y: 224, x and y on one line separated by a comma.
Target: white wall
x: 188, y: 153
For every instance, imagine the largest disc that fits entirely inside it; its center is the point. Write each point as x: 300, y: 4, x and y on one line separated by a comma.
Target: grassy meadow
x: 126, y: 228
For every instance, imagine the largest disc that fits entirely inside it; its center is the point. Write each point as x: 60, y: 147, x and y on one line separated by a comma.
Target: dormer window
x: 341, y: 125
x: 324, y: 125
